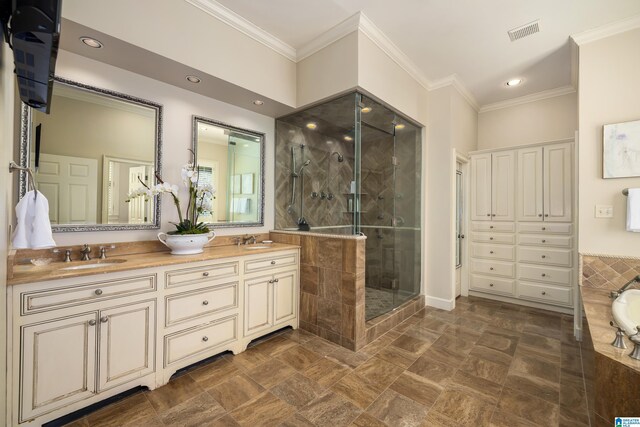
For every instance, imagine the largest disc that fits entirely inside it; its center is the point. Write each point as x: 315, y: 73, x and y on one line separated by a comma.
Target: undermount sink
x: 626, y: 311
x: 253, y: 247
x: 95, y: 264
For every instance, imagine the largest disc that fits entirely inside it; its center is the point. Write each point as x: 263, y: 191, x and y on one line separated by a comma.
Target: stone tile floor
x: 483, y: 364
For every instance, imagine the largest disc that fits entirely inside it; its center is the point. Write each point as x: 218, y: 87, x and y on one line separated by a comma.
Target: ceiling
x: 463, y: 37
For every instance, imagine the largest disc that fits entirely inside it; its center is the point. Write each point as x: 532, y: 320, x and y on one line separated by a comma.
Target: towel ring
x: 13, y: 167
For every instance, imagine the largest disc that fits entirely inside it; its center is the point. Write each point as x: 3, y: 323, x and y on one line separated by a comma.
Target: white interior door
x: 502, y: 185
x: 529, y: 205
x: 137, y: 206
x: 70, y: 184
x: 481, y: 191
x: 208, y: 172
x: 557, y: 182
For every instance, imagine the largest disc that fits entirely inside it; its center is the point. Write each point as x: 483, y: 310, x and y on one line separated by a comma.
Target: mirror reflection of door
x: 208, y: 173
x: 121, y: 177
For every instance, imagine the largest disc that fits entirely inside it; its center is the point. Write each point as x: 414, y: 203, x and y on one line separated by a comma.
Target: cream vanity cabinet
x: 528, y: 256
x: 493, y: 182
x: 81, y: 338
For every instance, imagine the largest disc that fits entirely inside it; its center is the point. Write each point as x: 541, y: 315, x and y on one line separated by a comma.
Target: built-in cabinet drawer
x: 555, y: 241
x: 200, y: 339
x: 37, y: 301
x: 558, y: 257
x: 494, y: 268
x: 267, y: 263
x: 508, y: 239
x: 187, y: 276
x: 545, y: 293
x: 543, y: 227
x: 491, y: 284
x: 202, y: 302
x: 498, y: 252
x: 556, y: 275
x: 493, y: 226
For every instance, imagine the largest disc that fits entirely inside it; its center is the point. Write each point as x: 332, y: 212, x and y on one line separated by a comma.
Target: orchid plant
x: 200, y: 200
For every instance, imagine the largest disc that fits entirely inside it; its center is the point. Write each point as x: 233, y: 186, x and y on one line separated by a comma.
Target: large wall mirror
x: 92, y: 150
x: 232, y: 160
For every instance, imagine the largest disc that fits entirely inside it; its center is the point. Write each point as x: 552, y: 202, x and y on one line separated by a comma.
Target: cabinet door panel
x: 481, y: 187
x: 557, y: 182
x: 58, y: 364
x: 284, y: 296
x: 502, y: 186
x: 127, y: 343
x: 257, y: 294
x: 529, y: 192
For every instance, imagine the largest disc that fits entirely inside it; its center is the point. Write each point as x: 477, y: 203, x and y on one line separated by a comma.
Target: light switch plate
x: 604, y: 211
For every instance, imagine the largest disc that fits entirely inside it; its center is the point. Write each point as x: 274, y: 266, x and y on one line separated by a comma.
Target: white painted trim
x: 245, y: 26
x: 454, y: 80
x: 518, y: 147
x: 538, y: 96
x: 607, y: 30
x: 441, y: 303
x: 329, y: 37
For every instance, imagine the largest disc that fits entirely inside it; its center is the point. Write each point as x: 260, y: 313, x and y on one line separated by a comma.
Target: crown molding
x: 246, y: 27
x: 454, y: 80
x: 607, y: 30
x: 538, y: 96
x: 330, y: 36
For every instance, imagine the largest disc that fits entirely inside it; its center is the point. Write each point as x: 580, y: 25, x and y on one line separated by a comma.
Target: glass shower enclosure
x: 353, y: 166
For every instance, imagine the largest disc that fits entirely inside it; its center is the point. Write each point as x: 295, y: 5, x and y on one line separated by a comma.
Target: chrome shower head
x: 304, y: 165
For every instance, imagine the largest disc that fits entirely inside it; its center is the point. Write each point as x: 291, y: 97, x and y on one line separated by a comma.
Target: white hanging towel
x: 33, y: 230
x: 633, y: 210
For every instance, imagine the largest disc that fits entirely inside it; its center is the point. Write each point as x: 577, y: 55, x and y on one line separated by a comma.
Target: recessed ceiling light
x: 258, y: 102
x: 514, y: 82
x: 399, y: 126
x: 91, y: 42
x: 348, y: 138
x: 193, y: 79
x: 366, y: 110
x: 311, y: 125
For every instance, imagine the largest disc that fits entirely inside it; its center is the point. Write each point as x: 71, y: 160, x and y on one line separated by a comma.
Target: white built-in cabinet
x: 492, y: 179
x: 78, y: 341
x: 523, y: 248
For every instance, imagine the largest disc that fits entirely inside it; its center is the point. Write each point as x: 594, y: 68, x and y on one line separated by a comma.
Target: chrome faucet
x: 67, y: 255
x: 635, y: 339
x: 247, y: 239
x: 103, y: 251
x: 616, y: 294
x: 86, y: 252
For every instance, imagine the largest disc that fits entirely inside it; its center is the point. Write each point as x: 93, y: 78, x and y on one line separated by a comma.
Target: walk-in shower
x: 362, y: 176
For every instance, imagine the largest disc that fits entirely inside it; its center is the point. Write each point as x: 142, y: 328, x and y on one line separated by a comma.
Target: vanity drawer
x: 200, y: 339
x: 545, y: 293
x: 556, y: 241
x: 37, y: 301
x: 493, y: 268
x: 266, y: 263
x: 509, y: 239
x: 499, y: 252
x: 551, y: 228
x: 493, y: 226
x: 491, y: 284
x: 189, y: 305
x: 556, y: 275
x: 559, y: 257
x: 205, y: 273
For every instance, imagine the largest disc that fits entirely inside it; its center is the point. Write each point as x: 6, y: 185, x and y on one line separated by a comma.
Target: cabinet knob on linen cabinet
x: 544, y: 256
x: 104, y: 319
x: 491, y: 226
x: 544, y: 275
x: 98, y: 292
x: 92, y: 322
x: 490, y: 238
x: 493, y: 214
x: 276, y: 280
x: 544, y: 241
x: 490, y: 252
x: 488, y: 214
x: 205, y: 302
x: 205, y: 339
x: 544, y: 228
x: 205, y: 274
x: 546, y: 215
x: 540, y: 215
x: 491, y: 284
x: 544, y: 293
x: 491, y: 268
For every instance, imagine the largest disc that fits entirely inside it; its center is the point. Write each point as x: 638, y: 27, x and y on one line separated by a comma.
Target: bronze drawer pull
x: 491, y: 284
x: 104, y: 319
x: 98, y: 292
x: 205, y: 338
x: 544, y: 256
x: 273, y: 262
x: 544, y: 293
x: 205, y: 274
x: 205, y: 302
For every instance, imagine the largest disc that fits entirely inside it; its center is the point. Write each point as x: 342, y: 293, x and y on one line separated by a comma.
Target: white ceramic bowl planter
x: 186, y: 244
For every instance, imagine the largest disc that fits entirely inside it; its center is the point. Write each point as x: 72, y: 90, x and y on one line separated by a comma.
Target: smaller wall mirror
x: 232, y: 160
x: 93, y: 149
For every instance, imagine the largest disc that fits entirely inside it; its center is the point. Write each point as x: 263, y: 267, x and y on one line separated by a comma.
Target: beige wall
x: 329, y: 71
x: 184, y: 33
x: 609, y: 82
x: 548, y: 119
x: 179, y: 107
x: 452, y: 124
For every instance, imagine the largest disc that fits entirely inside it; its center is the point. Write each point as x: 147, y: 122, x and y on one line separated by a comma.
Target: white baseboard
x: 441, y: 303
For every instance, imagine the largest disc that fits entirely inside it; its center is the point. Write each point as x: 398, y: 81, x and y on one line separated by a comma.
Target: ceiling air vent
x: 524, y: 31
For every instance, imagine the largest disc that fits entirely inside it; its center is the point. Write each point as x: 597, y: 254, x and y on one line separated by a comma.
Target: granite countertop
x: 597, y: 308
x: 28, y: 273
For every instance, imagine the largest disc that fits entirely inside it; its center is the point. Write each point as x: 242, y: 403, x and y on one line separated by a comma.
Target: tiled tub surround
x: 332, y: 289
x: 483, y: 364
x: 615, y: 391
